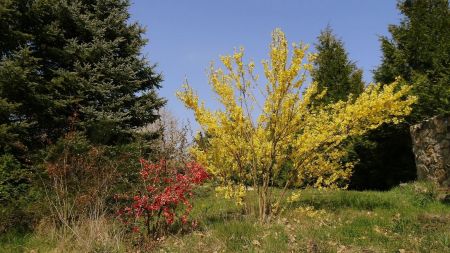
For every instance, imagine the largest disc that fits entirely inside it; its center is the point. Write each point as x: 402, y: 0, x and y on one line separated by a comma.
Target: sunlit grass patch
x: 408, y: 217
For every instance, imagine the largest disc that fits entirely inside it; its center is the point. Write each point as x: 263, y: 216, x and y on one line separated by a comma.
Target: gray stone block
x: 431, y: 146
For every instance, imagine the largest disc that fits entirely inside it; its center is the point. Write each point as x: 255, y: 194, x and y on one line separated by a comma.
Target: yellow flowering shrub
x: 261, y: 127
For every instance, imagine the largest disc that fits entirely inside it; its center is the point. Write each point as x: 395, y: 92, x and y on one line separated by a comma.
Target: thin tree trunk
x: 264, y: 202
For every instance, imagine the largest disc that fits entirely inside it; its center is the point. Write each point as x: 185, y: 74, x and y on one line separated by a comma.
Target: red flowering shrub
x: 166, y: 190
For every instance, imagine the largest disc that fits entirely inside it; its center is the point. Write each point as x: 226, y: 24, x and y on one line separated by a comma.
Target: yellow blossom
x: 262, y: 127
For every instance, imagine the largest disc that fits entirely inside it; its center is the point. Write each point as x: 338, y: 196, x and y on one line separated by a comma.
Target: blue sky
x: 186, y: 35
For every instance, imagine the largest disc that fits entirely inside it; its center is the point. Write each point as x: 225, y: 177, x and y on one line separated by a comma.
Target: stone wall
x: 431, y: 146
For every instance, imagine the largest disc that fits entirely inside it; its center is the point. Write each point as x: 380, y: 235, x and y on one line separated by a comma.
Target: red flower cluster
x: 166, y: 189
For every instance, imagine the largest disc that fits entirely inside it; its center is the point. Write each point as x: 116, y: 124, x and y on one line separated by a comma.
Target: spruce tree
x: 418, y: 51
x: 333, y: 70
x: 72, y: 65
x: 66, y: 66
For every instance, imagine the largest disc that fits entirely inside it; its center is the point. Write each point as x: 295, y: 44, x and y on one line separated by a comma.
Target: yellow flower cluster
x: 295, y: 196
x: 236, y: 192
x: 311, y: 212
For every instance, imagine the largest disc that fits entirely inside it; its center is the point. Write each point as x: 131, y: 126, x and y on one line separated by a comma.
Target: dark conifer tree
x: 418, y: 50
x: 72, y: 65
x: 333, y: 70
x: 67, y: 65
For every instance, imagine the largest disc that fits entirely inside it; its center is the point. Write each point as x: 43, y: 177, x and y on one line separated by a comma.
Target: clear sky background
x: 186, y: 35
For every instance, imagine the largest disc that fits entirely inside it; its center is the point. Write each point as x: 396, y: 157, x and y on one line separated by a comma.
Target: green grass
x: 408, y: 218
x: 92, y: 235
x: 20, y: 242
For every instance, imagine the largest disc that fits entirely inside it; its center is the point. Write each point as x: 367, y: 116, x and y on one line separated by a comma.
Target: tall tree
x: 418, y: 50
x: 333, y: 70
x: 72, y: 65
x: 67, y: 65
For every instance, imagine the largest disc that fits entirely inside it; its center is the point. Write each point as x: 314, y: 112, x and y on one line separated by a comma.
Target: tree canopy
x: 419, y: 51
x: 72, y: 65
x: 333, y: 70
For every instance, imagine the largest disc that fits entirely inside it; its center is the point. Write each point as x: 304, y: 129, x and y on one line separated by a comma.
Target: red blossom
x: 183, y: 219
x: 166, y: 189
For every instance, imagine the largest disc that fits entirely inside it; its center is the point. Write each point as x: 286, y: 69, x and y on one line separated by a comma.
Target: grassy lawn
x: 405, y: 219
